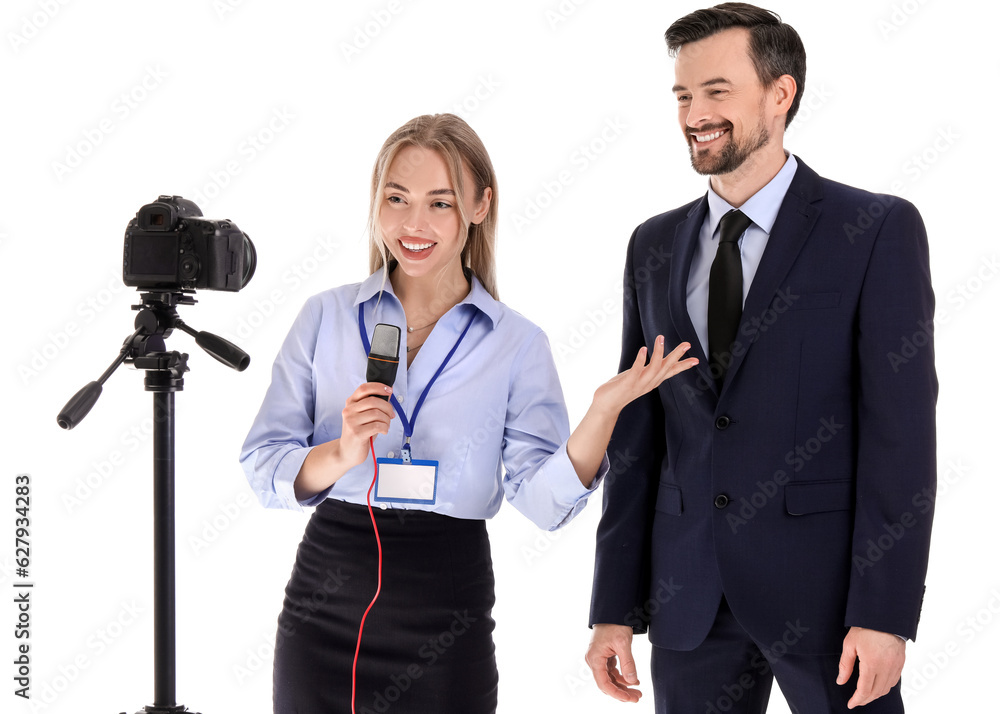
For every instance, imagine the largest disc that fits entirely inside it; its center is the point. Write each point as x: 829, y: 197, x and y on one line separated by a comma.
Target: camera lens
x: 249, y: 260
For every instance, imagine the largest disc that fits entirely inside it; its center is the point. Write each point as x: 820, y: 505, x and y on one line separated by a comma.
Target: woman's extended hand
x: 589, y: 440
x: 640, y: 378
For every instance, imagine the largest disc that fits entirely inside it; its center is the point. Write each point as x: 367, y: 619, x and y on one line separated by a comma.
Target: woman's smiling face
x: 420, y: 219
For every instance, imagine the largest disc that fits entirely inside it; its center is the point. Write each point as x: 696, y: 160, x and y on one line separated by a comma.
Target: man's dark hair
x: 775, y: 47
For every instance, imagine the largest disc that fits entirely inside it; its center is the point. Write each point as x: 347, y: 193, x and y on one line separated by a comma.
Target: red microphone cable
x: 361, y: 629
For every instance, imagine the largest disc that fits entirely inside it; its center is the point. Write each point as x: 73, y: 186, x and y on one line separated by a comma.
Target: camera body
x: 170, y: 246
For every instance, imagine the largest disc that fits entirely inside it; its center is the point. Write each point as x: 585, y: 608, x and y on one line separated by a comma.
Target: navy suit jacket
x: 804, y: 491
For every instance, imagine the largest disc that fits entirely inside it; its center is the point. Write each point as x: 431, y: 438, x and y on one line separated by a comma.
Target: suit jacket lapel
x: 685, y: 241
x: 796, y: 219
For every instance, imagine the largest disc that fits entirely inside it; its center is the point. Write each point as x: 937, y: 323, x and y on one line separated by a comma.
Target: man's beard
x: 733, y: 154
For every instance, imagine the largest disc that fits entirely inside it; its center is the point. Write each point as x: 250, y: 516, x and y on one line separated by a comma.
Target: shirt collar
x: 477, y: 297
x: 762, y: 207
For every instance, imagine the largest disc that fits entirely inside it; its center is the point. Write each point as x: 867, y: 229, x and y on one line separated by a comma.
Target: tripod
x: 145, y: 349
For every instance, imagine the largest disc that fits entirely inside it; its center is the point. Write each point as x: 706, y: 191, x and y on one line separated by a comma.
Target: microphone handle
x: 382, y: 371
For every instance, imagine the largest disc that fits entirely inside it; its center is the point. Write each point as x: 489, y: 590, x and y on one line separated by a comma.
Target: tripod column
x: 164, y: 605
x: 164, y: 376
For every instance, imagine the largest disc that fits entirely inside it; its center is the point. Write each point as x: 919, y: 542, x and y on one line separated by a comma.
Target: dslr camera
x: 169, y: 246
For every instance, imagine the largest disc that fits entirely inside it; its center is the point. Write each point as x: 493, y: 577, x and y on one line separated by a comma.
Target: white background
x: 108, y: 104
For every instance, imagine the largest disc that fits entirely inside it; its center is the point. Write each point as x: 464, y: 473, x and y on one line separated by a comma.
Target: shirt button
x: 721, y: 501
x: 722, y: 423
x: 391, y: 455
x: 383, y: 506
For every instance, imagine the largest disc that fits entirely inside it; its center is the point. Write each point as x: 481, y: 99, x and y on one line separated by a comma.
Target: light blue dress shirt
x: 495, y: 418
x: 762, y: 209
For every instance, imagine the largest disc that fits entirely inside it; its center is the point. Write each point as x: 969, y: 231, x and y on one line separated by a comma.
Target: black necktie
x: 725, y: 294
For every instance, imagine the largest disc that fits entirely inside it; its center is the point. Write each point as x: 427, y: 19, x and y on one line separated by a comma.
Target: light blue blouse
x: 495, y: 418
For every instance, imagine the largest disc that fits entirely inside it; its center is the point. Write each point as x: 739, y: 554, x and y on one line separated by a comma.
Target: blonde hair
x: 459, y: 146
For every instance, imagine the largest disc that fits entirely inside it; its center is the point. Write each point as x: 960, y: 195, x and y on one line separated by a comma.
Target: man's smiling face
x: 721, y: 104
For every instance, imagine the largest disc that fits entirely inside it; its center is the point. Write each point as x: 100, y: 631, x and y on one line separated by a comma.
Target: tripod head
x: 146, y: 349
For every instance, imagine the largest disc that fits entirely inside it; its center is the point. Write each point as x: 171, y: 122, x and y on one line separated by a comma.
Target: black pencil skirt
x: 428, y: 641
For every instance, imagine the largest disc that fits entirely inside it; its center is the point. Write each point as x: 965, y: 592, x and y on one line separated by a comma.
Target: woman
x: 479, y: 389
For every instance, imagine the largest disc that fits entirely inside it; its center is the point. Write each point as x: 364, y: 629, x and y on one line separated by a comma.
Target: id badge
x: 413, y: 482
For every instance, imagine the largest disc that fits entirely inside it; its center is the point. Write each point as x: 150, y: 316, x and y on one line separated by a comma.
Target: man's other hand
x: 610, y: 659
x: 880, y: 656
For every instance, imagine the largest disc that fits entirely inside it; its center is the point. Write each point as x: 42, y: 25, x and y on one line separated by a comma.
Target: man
x: 775, y: 518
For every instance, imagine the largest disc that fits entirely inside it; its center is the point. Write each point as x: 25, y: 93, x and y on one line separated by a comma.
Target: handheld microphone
x: 383, y: 359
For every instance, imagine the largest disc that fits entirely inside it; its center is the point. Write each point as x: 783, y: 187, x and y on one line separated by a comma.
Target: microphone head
x: 383, y: 359
x: 385, y: 342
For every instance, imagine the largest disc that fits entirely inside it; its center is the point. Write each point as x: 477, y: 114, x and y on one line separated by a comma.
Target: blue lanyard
x: 408, y: 424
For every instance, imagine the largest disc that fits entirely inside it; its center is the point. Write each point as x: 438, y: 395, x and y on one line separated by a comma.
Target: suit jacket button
x: 721, y: 501
x: 722, y: 422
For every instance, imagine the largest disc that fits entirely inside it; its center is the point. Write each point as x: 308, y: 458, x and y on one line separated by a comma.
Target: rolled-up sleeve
x: 281, y: 435
x: 540, y: 480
